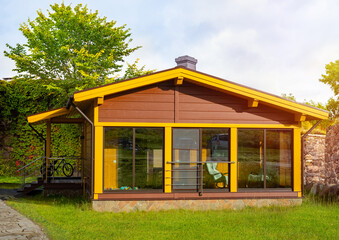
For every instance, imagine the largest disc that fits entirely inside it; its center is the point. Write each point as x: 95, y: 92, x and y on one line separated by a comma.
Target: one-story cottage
x: 180, y: 138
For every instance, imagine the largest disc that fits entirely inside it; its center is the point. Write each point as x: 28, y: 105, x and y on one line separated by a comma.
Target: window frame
x: 200, y: 171
x: 133, y: 191
x: 265, y: 189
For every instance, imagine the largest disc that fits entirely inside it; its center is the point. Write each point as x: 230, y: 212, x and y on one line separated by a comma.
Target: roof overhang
x: 302, y: 112
x: 48, y: 115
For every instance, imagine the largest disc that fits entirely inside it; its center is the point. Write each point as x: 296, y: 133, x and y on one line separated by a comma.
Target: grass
x: 15, y: 179
x: 65, y: 218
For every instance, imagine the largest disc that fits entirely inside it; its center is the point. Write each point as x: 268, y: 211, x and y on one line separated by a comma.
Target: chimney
x: 187, y: 62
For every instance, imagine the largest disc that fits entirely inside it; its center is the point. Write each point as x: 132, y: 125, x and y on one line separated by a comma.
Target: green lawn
x: 64, y: 218
x: 13, y: 182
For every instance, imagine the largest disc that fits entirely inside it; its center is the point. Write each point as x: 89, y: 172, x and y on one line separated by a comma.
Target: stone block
x: 200, y: 205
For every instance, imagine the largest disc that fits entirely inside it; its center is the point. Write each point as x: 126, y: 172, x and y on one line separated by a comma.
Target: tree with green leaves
x: 67, y: 50
x: 331, y: 78
x: 75, y: 48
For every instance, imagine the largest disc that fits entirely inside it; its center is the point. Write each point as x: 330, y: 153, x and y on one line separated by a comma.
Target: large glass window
x: 186, y: 157
x: 133, y: 158
x: 200, y: 159
x: 264, y: 158
x: 215, y: 154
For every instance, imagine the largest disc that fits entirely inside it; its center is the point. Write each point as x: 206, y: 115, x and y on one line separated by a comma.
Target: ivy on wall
x: 19, y: 144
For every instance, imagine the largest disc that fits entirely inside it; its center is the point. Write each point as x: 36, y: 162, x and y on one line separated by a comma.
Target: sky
x: 270, y: 45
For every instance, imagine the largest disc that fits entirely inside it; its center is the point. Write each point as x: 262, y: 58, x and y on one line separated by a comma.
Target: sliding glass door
x: 200, y: 159
x: 264, y: 158
x: 186, y: 157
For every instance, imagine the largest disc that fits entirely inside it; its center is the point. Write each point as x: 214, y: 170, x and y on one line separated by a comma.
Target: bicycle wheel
x: 67, y: 169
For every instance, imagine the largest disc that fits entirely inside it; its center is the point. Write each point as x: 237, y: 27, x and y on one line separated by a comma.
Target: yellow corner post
x: 168, y: 158
x: 234, y: 158
x: 98, y: 160
x: 297, y: 181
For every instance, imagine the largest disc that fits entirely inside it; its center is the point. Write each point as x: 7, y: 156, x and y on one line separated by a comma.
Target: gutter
x: 68, y: 105
x: 303, y: 154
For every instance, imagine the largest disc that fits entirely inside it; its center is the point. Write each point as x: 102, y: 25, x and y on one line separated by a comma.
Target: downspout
x: 68, y: 105
x: 39, y: 135
x: 302, y: 153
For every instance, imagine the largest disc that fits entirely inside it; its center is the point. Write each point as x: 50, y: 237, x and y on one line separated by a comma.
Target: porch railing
x: 55, y: 165
x: 32, y: 169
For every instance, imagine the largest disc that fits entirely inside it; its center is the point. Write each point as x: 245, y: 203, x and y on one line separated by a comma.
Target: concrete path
x: 15, y: 226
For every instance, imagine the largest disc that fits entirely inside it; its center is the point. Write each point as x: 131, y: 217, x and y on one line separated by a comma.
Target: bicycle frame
x: 56, y: 161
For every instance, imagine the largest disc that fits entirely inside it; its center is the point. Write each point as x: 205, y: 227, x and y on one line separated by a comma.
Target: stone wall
x: 332, y: 155
x: 314, y: 159
x: 321, y: 157
x: 201, y: 205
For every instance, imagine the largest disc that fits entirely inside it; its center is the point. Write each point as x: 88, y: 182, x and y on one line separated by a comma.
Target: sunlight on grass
x: 65, y: 218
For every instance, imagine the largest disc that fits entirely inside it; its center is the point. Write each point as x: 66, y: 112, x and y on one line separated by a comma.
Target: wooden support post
x: 297, y: 181
x: 98, y: 162
x: 168, y: 158
x: 234, y: 158
x: 48, y: 146
x: 48, y: 140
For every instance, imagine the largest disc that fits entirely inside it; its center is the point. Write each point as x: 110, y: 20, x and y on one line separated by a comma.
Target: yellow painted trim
x: 300, y: 194
x: 168, y: 158
x: 47, y: 115
x: 193, y: 125
x: 251, y: 93
x: 300, y: 117
x: 96, y: 114
x: 95, y: 196
x: 179, y: 81
x: 234, y: 158
x: 100, y: 100
x: 98, y: 160
x: 252, y: 103
x: 297, y: 181
x: 126, y: 85
x: 205, y: 80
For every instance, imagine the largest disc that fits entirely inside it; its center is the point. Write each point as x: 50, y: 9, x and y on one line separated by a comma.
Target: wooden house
x: 180, y: 138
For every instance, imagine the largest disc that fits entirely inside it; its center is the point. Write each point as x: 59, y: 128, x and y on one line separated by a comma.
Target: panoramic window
x: 200, y: 159
x: 264, y: 158
x: 133, y: 159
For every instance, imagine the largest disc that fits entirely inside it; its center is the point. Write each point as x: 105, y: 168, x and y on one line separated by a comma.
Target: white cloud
x: 275, y: 46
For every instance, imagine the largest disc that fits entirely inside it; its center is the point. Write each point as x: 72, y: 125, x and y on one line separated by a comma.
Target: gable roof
x: 301, y: 111
x: 207, y: 81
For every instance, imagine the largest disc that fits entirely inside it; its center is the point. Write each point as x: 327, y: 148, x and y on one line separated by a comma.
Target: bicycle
x: 67, y: 168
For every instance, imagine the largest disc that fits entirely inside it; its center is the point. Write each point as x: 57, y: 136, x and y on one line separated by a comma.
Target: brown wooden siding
x: 187, y: 103
x: 203, y: 105
x: 154, y: 103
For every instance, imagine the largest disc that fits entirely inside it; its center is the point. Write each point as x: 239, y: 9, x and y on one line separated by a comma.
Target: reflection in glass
x: 250, y: 158
x: 278, y: 159
x: 185, y: 150
x: 215, y: 148
x: 148, y: 158
x: 266, y: 161
x: 118, y: 159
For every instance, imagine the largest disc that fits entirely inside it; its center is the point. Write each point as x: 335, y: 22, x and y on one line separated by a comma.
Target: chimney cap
x: 187, y: 62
